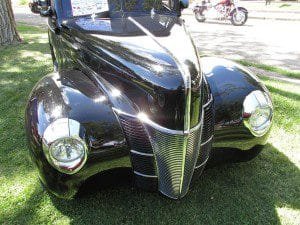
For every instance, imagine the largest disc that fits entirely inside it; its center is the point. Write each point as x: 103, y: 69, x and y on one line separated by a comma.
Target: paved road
x: 263, y: 41
x: 24, y: 15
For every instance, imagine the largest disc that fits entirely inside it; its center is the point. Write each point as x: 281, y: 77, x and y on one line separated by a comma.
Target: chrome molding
x: 202, y: 164
x: 207, y: 103
x: 155, y: 125
x: 141, y: 153
x: 144, y: 175
x: 204, y: 143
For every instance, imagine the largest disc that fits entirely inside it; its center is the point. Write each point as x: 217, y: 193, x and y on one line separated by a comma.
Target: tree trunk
x: 8, y: 31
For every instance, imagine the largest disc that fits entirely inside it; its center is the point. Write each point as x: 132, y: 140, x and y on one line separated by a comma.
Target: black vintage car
x: 130, y: 90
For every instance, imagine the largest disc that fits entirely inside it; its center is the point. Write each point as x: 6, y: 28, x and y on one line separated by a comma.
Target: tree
x: 8, y: 30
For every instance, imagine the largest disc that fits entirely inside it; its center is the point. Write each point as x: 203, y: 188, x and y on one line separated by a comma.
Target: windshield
x: 116, y: 8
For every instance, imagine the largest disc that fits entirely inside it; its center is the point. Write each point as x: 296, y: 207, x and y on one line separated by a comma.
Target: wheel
x: 200, y: 17
x: 228, y: 155
x: 238, y: 18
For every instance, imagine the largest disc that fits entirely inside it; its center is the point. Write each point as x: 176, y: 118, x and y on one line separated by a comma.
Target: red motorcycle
x: 223, y: 10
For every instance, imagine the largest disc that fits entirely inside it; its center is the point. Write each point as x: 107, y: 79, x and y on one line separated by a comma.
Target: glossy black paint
x: 105, y: 64
x: 71, y: 94
x: 230, y: 83
x: 145, y: 69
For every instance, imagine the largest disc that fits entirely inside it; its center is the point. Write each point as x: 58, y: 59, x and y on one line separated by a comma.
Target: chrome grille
x: 141, y: 151
x: 172, y: 154
x: 176, y: 156
x: 135, y: 134
x: 191, y: 156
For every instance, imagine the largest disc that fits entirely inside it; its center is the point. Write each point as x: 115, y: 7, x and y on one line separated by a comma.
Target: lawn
x: 263, y: 191
x: 270, y: 68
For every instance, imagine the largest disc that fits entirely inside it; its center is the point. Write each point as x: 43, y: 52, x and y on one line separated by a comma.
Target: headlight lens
x: 67, y: 150
x: 258, y: 112
x: 67, y: 154
x: 260, y: 117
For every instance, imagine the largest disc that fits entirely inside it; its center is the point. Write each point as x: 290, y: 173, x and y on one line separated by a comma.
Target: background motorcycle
x: 225, y: 9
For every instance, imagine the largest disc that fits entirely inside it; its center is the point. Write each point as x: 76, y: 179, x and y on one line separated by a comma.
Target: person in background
x: 268, y: 2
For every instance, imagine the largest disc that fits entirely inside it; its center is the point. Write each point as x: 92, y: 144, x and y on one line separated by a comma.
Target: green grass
x: 284, y: 5
x: 263, y: 191
x: 271, y: 68
x: 23, y: 2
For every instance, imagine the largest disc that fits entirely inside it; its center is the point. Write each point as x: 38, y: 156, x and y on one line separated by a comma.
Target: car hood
x: 151, y: 59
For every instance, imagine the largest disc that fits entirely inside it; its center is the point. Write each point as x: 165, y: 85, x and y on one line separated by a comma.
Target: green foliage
x: 263, y: 191
x: 284, y: 5
x: 23, y: 2
x: 271, y: 68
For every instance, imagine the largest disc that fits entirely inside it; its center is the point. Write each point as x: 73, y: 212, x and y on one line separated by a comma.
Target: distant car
x: 129, y: 90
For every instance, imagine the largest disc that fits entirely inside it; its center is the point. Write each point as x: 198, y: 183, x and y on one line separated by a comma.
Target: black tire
x: 234, y: 20
x: 200, y: 17
x: 227, y: 155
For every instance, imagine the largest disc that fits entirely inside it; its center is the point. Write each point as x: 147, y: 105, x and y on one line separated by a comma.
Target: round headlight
x: 63, y: 147
x: 68, y: 154
x: 258, y: 112
x: 260, y: 117
x: 67, y: 150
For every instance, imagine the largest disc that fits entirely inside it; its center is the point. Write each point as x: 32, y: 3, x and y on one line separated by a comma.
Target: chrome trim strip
x: 144, y: 175
x: 196, y: 127
x: 197, y: 167
x: 184, y: 72
x: 141, y: 153
x: 204, y: 143
x: 207, y: 103
x: 188, y: 97
x: 169, y: 196
x: 155, y: 125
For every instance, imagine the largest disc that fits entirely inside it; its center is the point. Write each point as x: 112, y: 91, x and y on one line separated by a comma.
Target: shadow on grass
x: 234, y: 193
x: 21, y: 66
x: 286, y: 94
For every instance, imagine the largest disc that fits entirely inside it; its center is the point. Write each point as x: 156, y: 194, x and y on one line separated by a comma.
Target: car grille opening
x: 168, y: 160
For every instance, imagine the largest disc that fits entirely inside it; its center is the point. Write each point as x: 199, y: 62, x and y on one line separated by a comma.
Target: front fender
x: 239, y: 8
x: 230, y: 83
x: 71, y: 94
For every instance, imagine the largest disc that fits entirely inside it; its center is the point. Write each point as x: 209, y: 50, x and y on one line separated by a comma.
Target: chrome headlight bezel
x: 58, y: 131
x: 255, y: 101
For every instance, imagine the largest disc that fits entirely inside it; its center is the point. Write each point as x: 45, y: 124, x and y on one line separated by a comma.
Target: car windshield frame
x: 123, y: 12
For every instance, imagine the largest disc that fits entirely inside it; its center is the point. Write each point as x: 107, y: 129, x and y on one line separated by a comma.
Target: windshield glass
x: 115, y: 8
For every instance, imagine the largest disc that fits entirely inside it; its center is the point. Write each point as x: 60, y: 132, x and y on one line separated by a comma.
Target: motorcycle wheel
x: 238, y: 18
x: 200, y: 17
